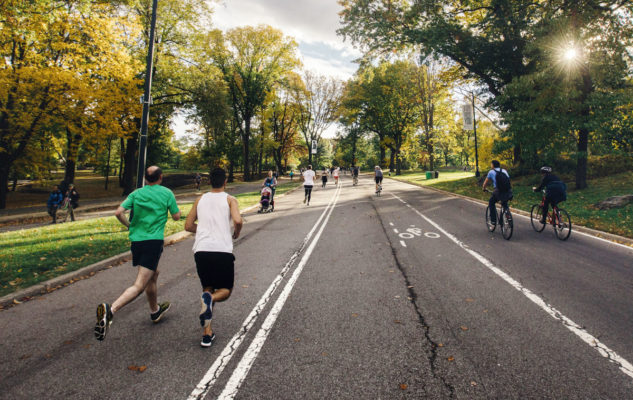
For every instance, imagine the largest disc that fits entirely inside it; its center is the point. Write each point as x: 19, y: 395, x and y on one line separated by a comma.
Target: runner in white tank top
x: 213, y: 246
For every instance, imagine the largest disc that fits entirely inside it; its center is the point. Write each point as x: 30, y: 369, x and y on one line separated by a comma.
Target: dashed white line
x: 242, y: 369
x: 395, y: 231
x: 625, y: 366
x: 403, y: 243
x: 391, y: 223
x: 223, y: 359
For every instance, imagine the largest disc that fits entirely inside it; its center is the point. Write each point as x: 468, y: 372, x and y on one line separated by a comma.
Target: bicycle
x: 504, y: 220
x: 558, y: 218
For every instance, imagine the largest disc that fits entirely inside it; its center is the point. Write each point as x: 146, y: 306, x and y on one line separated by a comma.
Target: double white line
x: 241, y: 371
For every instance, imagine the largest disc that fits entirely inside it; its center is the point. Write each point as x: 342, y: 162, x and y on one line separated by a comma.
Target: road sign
x: 314, y: 147
x: 467, y: 112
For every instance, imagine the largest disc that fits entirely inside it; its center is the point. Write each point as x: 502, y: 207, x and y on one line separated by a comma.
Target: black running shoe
x: 207, y: 340
x: 104, y: 319
x: 207, y: 309
x: 162, y: 309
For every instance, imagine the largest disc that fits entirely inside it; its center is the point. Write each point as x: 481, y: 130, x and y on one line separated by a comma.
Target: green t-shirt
x: 149, y: 206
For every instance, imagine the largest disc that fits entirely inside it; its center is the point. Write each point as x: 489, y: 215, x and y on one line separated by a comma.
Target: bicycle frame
x: 552, y: 217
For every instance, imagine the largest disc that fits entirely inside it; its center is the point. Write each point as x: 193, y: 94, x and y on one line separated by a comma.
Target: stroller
x: 267, y: 204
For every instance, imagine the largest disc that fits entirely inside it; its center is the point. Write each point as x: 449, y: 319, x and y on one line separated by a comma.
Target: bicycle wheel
x: 491, y: 227
x: 535, y: 218
x: 562, y: 226
x: 507, y: 226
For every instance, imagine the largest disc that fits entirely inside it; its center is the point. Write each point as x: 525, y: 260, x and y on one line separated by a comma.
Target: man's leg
x: 545, y: 210
x: 493, y: 211
x: 143, y: 277
x: 218, y: 295
x: 151, y: 292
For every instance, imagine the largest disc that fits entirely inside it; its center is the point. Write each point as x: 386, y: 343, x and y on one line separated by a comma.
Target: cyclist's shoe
x: 104, y: 320
x: 542, y: 220
x: 162, y: 309
x: 207, y: 340
x: 207, y: 309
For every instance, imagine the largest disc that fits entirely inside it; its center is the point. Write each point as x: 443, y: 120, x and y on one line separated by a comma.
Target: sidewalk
x: 33, y: 214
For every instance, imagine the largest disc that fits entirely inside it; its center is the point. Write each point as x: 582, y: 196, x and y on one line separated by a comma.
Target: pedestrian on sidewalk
x: 308, y: 183
x: 149, y: 206
x: 213, y: 247
x: 291, y: 175
x: 54, y: 200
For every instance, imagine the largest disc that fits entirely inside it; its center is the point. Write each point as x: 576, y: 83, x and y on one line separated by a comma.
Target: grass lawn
x: 579, y: 203
x: 419, y: 177
x: 34, y: 255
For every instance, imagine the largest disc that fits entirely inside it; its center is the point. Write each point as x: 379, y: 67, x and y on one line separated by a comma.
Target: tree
x: 252, y: 60
x: 320, y: 100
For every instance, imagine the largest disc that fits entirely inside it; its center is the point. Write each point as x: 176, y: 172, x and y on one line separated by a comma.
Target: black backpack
x: 503, y: 182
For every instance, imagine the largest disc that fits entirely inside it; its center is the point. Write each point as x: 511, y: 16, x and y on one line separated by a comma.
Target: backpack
x: 503, y: 182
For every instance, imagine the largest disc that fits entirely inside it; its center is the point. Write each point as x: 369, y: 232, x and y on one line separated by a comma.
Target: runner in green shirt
x: 149, y: 206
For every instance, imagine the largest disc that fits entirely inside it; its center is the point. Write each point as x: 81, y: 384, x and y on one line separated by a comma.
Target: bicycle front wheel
x: 507, y: 226
x: 562, y: 226
x: 491, y: 227
x: 535, y: 218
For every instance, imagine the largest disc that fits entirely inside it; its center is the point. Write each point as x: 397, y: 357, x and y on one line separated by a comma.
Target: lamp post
x: 477, y: 174
x: 147, y: 100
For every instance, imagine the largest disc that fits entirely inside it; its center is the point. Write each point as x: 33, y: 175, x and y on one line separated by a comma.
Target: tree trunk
x: 583, y: 133
x: 69, y: 172
x: 72, y: 149
x: 5, y: 166
x: 381, y: 162
x: 107, y: 171
x: 392, y: 160
x: 121, y: 157
x: 231, y: 178
x: 129, y: 169
x: 245, y: 147
x: 431, y: 151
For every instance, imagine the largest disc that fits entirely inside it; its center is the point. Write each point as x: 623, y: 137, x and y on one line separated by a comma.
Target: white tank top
x: 214, y: 224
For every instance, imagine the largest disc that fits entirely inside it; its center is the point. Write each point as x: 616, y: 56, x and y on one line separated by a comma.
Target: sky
x: 312, y: 23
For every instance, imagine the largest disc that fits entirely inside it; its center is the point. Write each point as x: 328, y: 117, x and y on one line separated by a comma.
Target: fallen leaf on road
x: 297, y: 340
x: 47, y: 355
x: 354, y: 315
x: 86, y: 346
x: 485, y: 310
x: 245, y: 286
x: 440, y: 345
x: 391, y: 270
x: 410, y: 287
x: 470, y: 300
x: 324, y: 354
x: 132, y: 367
x: 142, y: 368
x: 397, y: 321
x: 464, y: 328
x: 397, y: 297
x: 473, y: 383
x: 24, y: 357
x: 68, y: 342
x: 15, y: 301
x: 403, y: 386
x: 451, y: 358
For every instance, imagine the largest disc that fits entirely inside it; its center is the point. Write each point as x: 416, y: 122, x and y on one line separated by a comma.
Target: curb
x: 90, y: 270
x: 580, y: 228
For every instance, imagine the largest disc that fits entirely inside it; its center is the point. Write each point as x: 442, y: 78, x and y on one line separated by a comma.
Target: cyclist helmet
x: 546, y: 170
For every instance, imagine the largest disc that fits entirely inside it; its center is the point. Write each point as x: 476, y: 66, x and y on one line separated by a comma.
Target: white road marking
x: 242, y: 369
x: 625, y: 366
x: 432, y: 235
x: 391, y: 223
x: 223, y: 359
x: 395, y: 231
x: 406, y: 235
x: 403, y: 243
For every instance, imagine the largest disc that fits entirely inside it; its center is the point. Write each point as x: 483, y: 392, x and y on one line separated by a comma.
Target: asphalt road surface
x: 356, y: 296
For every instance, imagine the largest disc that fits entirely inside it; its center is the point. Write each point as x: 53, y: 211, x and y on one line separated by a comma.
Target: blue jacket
x: 55, y: 198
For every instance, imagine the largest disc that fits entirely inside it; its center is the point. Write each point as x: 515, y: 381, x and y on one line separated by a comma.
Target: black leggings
x: 308, y: 192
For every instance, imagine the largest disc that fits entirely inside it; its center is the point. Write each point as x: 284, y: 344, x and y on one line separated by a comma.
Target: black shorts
x: 378, y: 179
x: 146, y: 253
x: 215, y: 269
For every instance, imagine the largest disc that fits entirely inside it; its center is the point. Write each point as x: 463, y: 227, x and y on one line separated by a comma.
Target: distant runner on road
x: 150, y: 205
x: 377, y: 176
x: 213, y: 247
x: 336, y: 173
x: 308, y: 183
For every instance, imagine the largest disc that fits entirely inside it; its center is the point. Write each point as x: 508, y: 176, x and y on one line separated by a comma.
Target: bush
x: 610, y: 164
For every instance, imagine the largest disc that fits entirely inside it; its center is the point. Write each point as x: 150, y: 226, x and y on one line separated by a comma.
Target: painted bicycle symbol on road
x: 412, y: 232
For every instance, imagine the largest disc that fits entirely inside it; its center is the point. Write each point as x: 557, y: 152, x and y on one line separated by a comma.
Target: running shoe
x: 207, y: 340
x: 207, y: 309
x: 162, y: 309
x: 304, y: 200
x: 104, y: 320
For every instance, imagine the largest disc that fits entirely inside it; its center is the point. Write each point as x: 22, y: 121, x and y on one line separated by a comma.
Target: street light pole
x: 147, y: 100
x: 475, y: 132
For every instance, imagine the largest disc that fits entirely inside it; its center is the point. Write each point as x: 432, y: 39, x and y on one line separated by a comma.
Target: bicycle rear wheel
x: 562, y: 226
x: 535, y: 218
x: 491, y: 227
x: 507, y: 226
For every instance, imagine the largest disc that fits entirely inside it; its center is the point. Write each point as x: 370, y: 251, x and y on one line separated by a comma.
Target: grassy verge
x: 579, y: 203
x: 34, y: 255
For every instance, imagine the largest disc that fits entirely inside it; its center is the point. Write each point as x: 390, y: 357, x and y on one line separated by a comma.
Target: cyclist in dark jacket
x: 54, y: 200
x: 555, y: 190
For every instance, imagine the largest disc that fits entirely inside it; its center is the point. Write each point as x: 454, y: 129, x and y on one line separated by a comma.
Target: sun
x: 570, y: 54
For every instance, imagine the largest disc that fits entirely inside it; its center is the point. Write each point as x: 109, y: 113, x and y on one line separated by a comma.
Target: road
x: 353, y: 297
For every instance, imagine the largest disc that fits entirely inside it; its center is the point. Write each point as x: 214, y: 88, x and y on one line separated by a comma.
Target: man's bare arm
x: 176, y: 216
x: 190, y: 222
x: 120, y: 214
x: 235, y: 216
